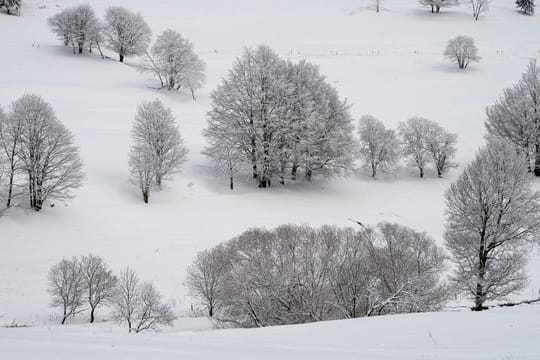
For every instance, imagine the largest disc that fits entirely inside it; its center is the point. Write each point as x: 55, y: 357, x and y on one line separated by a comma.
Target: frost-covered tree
x: 126, y: 33
x: 76, y: 25
x: 139, y: 305
x: 478, y: 7
x: 436, y: 5
x: 377, y: 4
x: 226, y: 156
x: 281, y: 117
x: 46, y: 151
x: 174, y: 62
x: 441, y: 145
x: 526, y: 6
x: 155, y: 130
x: 12, y: 6
x: 205, y: 278
x: 515, y: 117
x: 11, y: 128
x: 99, y: 283
x: 66, y: 287
x: 378, y: 146
x: 462, y: 51
x: 414, y: 136
x: 142, y: 171
x: 492, y: 212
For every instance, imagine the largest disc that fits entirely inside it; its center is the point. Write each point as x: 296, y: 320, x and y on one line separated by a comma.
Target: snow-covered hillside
x: 388, y: 64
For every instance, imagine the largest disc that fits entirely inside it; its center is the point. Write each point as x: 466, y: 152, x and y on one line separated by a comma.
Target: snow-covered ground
x: 387, y: 64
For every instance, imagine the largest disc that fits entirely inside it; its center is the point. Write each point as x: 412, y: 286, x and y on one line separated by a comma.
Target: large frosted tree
x: 515, y: 116
x: 492, y: 212
x: 46, y: 152
x: 279, y: 118
x: 126, y: 33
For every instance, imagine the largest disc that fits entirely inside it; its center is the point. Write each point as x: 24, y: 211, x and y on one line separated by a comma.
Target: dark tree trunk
x: 145, y: 195
x: 81, y: 48
x: 373, y: 170
x: 294, y: 171
x: 10, y: 186
x: 121, y: 58
x: 309, y: 174
x: 421, y: 172
x: 92, y: 315
x: 480, y: 296
x: 231, y: 186
x: 537, y: 159
x: 432, y: 9
x: 437, y: 9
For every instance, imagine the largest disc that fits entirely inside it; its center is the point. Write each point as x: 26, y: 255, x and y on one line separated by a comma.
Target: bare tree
x: 378, y: 4
x: 155, y: 131
x: 462, y: 51
x: 10, y: 137
x: 66, y: 286
x: 205, y: 277
x: 479, y: 7
x: 142, y: 170
x: 227, y: 157
x: 126, y: 33
x: 46, y: 152
x: 491, y: 213
x: 99, y: 282
x: 436, y: 5
x: 75, y: 25
x: 127, y: 298
x: 12, y: 6
x: 378, y: 146
x: 174, y: 62
x: 150, y: 311
x: 414, y: 135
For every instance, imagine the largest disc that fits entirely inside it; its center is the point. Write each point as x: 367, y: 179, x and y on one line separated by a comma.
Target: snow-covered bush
x: 492, y: 212
x: 379, y: 147
x: 527, y: 6
x: 297, y: 274
x: 436, y: 5
x: 44, y: 151
x: 158, y: 151
x: 126, y: 33
x: 174, y: 62
x: 77, y: 26
x: 12, y: 6
x: 281, y: 119
x: 462, y: 51
x: 515, y: 117
x: 139, y: 305
x: 66, y: 287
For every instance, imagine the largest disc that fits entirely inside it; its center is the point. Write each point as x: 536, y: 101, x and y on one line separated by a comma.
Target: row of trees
x: 11, y: 6
x: 38, y: 159
x: 297, y: 274
x: 172, y: 59
x: 421, y: 141
x: 276, y: 118
x: 86, y: 283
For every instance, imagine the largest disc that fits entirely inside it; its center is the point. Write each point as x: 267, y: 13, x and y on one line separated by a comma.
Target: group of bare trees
x: 171, y: 59
x: 275, y: 118
x: 297, y: 274
x: 38, y: 157
x: 86, y: 283
x: 421, y: 141
x: 515, y: 117
x: 13, y: 7
x: 158, y: 150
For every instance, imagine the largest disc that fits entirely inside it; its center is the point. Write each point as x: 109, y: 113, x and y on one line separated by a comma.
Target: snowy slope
x: 387, y: 64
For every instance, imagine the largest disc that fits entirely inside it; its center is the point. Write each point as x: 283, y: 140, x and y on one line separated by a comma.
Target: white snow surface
x: 389, y: 65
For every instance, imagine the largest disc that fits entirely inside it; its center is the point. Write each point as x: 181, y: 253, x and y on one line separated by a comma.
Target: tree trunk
x: 294, y: 171
x: 537, y: 159
x: 121, y: 58
x: 480, y: 296
x: 437, y: 9
x: 373, y: 170
x: 231, y: 186
x: 10, y: 187
x: 421, y: 172
x: 309, y: 174
x: 92, y: 315
x: 81, y: 48
x: 145, y: 195
x: 432, y: 9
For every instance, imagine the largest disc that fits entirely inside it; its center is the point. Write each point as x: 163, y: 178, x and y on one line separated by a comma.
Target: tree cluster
x: 526, y: 6
x: 298, y: 274
x: 11, y: 6
x: 278, y: 119
x: 86, y: 283
x: 436, y: 5
x: 515, y: 117
x: 158, y: 149
x: 37, y: 153
x: 492, y: 215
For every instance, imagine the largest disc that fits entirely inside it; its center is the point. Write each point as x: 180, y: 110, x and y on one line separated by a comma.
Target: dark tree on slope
x: 174, y: 62
x: 515, y: 117
x: 12, y: 6
x: 527, y: 6
x: 155, y: 131
x: 378, y: 146
x: 46, y: 152
x: 492, y: 213
x: 436, y: 5
x: 278, y: 118
x: 126, y: 33
x: 66, y: 286
x: 99, y: 283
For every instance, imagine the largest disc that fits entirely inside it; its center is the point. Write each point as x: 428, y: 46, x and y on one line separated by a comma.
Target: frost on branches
x: 278, y: 119
x: 462, y: 51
